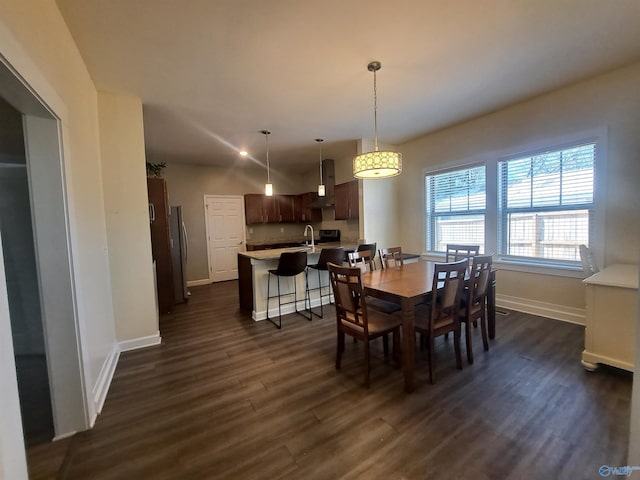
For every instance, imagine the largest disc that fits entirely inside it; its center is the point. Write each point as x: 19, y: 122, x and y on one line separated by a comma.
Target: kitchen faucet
x: 306, y: 230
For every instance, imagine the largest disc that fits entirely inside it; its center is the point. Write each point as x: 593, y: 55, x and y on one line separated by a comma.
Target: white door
x: 225, y: 235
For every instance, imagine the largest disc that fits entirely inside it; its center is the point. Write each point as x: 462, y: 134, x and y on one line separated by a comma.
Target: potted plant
x: 154, y: 170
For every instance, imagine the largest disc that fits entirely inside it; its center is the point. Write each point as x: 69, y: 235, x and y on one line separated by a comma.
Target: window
x: 456, y: 202
x: 546, y: 204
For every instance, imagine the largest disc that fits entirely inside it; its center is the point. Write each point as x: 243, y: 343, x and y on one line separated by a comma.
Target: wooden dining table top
x: 410, y: 280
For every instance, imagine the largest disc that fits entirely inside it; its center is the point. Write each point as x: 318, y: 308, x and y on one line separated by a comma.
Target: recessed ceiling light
x: 243, y: 153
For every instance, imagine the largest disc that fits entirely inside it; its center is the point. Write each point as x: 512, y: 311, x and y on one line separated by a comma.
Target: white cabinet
x: 612, y: 312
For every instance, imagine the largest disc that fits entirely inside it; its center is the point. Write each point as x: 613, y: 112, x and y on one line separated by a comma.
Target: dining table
x: 409, y: 285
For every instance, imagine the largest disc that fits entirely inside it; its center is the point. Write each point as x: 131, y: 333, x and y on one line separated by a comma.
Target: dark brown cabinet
x: 280, y: 208
x: 259, y: 209
x: 303, y: 211
x: 160, y: 242
x: 347, y: 204
x: 285, y: 208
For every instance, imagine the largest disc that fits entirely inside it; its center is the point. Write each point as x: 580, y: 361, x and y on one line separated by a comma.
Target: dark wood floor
x: 225, y: 397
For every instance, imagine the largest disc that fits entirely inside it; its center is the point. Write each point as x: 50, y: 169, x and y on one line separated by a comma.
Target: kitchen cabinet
x: 161, y: 242
x: 304, y: 212
x: 347, y: 204
x: 285, y: 208
x: 259, y: 209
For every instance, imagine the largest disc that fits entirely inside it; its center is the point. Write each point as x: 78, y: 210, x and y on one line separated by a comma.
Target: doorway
x: 225, y: 235
x: 22, y: 281
x: 42, y: 318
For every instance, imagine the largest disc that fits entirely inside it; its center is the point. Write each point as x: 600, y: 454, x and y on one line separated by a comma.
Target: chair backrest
x: 292, y: 263
x: 445, y: 302
x: 371, y: 247
x: 589, y: 264
x: 479, y: 279
x: 362, y: 259
x: 351, y: 309
x: 333, y: 255
x: 391, y: 257
x: 457, y: 252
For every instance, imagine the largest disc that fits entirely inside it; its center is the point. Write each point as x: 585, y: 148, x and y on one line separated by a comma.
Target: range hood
x: 329, y: 179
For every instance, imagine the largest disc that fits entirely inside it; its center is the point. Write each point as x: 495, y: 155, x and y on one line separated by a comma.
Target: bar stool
x: 290, y: 264
x: 333, y: 255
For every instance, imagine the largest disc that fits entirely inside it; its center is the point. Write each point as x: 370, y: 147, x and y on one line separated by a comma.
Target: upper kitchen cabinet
x: 259, y: 209
x: 303, y: 210
x: 347, y: 204
x: 285, y: 208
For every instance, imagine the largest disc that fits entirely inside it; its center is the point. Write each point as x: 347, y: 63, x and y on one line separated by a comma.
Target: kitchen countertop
x: 275, y: 253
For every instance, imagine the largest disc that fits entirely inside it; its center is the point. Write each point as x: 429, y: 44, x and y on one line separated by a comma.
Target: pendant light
x: 376, y: 164
x: 268, y: 187
x: 321, y: 190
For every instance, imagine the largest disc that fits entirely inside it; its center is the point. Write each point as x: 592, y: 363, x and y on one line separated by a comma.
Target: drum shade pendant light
x: 321, y: 191
x: 376, y: 164
x: 268, y: 187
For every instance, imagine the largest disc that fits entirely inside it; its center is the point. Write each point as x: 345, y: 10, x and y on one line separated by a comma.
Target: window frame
x: 491, y: 158
x: 429, y: 225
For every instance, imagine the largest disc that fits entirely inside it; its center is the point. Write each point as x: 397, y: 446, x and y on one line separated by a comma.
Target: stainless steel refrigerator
x: 179, y: 253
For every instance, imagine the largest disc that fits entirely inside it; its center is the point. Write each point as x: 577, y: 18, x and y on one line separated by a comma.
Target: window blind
x: 456, y: 203
x: 546, y: 203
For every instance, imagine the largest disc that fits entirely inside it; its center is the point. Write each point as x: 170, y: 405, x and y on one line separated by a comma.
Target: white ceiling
x: 213, y: 73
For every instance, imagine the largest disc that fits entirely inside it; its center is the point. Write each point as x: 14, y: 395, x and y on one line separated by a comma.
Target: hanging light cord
x: 266, y: 138
x: 375, y: 111
x: 319, y: 140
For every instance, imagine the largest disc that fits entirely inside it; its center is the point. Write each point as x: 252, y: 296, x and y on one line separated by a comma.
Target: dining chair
x: 589, y: 265
x: 363, y: 259
x: 333, y: 255
x: 474, y: 301
x: 442, y: 314
x: 290, y: 264
x: 457, y: 252
x: 391, y: 257
x: 354, y: 318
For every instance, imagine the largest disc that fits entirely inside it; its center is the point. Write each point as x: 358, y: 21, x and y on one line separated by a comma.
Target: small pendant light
x: 321, y: 191
x: 268, y: 187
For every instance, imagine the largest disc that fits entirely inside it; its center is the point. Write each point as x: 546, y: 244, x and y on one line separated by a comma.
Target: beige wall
x: 127, y: 216
x: 610, y: 101
x: 35, y: 42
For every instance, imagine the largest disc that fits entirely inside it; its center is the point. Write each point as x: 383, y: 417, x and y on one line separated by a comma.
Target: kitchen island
x: 253, y: 275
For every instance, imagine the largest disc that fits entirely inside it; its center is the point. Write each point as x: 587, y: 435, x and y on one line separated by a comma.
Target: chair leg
x: 456, y: 344
x: 320, y: 295
x: 396, y: 347
x: 366, y: 362
x: 339, y: 349
x: 385, y: 345
x: 483, y: 328
x: 432, y: 347
x: 279, y: 324
x: 467, y: 335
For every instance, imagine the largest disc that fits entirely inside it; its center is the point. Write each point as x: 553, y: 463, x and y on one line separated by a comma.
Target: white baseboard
x: 141, y: 342
x: 109, y: 367
x: 65, y: 435
x: 197, y: 283
x: 104, y: 380
x: 543, y: 309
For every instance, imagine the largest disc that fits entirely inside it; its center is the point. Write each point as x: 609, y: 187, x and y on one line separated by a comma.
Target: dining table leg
x: 408, y: 343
